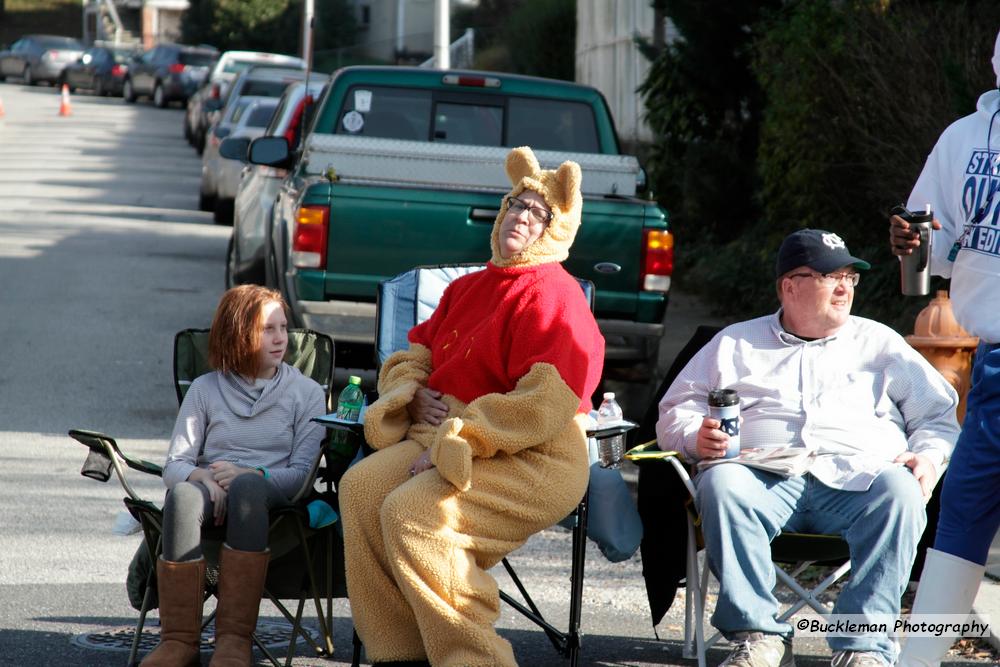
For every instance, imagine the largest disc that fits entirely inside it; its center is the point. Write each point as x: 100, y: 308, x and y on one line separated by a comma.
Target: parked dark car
x: 168, y: 73
x: 36, y: 58
x: 101, y: 69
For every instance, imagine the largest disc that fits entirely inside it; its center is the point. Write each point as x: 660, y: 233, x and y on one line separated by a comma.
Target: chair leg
x: 576, y: 581
x: 356, y: 655
x: 809, y: 597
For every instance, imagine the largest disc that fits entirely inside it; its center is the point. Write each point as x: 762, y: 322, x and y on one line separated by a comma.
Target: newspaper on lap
x: 787, y: 461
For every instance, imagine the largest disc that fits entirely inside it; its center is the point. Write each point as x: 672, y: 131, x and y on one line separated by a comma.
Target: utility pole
x: 442, y: 53
x: 308, y: 10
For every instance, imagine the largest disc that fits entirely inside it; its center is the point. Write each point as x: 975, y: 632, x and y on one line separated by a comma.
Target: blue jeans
x: 970, y: 505
x: 743, y: 509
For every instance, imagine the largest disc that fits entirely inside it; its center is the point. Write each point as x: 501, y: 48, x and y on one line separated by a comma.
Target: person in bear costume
x: 480, y: 436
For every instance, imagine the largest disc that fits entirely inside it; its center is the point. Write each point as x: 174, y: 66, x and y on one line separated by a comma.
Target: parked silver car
x: 259, y: 186
x: 36, y: 58
x: 210, y: 98
x: 248, y: 117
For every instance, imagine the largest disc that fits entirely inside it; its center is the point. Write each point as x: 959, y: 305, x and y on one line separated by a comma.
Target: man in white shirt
x: 875, y: 423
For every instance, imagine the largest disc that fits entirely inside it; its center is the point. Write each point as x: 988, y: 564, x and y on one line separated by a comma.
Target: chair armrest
x: 105, y: 456
x: 649, y: 451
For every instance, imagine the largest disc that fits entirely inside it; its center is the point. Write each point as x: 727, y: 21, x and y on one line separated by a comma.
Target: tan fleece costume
x: 517, y: 354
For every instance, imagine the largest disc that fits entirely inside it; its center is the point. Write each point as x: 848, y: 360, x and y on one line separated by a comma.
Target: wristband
x: 264, y: 472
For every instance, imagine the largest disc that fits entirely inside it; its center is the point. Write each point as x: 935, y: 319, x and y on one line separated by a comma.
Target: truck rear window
x: 414, y: 114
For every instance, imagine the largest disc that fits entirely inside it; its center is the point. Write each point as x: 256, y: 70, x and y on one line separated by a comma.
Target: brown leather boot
x: 181, y: 588
x: 241, y: 583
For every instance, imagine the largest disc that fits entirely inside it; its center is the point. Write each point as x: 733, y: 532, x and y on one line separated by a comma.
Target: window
x: 260, y: 115
x: 264, y: 88
x: 552, y: 125
x: 468, y: 124
x: 196, y: 59
x: 391, y: 113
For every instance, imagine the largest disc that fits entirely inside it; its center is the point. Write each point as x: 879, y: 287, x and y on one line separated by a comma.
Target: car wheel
x: 128, y: 92
x: 99, y: 88
x: 230, y: 264
x: 206, y: 202
x: 27, y: 77
x: 159, y: 97
x: 223, y: 212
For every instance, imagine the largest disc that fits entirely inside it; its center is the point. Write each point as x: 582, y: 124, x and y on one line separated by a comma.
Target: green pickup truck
x: 404, y: 166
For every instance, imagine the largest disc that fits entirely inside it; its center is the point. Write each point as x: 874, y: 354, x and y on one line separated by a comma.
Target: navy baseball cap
x: 820, y: 250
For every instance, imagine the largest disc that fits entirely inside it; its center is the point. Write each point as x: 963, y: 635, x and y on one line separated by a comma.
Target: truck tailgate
x: 387, y: 231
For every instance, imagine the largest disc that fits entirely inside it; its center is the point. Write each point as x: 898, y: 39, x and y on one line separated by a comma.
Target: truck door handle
x: 484, y: 215
x: 607, y: 267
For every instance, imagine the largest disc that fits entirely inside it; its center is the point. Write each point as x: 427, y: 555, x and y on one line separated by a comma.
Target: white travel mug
x: 724, y: 405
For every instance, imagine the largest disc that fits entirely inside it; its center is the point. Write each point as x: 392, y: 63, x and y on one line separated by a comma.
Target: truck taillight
x: 117, y: 71
x: 657, y: 260
x: 309, y: 239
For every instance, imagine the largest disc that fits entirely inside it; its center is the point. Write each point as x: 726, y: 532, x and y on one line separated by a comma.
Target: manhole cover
x: 271, y: 635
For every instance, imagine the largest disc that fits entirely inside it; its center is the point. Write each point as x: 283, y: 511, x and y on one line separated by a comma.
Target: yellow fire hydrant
x: 946, y: 345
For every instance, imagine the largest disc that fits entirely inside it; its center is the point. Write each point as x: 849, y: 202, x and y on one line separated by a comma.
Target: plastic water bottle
x: 610, y: 450
x: 350, y: 405
x: 351, y: 399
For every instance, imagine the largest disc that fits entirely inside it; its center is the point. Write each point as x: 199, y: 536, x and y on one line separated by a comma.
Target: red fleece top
x: 491, y: 326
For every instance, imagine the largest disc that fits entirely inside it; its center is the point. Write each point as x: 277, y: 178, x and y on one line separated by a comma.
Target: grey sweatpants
x: 188, y: 511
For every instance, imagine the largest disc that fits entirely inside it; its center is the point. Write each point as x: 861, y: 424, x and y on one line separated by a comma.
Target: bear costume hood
x: 560, y: 188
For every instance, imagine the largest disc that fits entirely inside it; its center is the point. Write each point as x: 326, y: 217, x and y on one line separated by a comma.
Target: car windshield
x: 264, y: 88
x: 122, y: 57
x: 239, y: 107
x: 196, y: 59
x: 404, y: 113
x: 59, y: 43
x: 237, y: 66
x: 260, y: 115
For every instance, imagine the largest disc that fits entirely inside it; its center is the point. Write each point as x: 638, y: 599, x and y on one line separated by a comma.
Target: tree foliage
x: 267, y: 25
x: 536, y: 37
x: 844, y: 100
x: 704, y: 107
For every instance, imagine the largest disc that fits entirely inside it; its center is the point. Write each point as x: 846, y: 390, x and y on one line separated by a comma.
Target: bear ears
x: 559, y: 188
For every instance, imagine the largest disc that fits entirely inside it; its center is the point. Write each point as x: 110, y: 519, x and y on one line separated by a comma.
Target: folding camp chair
x: 664, y: 475
x: 409, y: 299
x: 296, y: 549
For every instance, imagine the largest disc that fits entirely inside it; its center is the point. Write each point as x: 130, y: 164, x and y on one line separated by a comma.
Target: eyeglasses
x: 536, y: 214
x: 831, y: 279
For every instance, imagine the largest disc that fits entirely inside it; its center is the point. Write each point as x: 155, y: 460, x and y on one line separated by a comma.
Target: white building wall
x: 379, y: 38
x: 607, y: 58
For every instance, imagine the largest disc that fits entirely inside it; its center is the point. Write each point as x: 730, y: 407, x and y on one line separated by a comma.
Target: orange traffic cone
x: 64, y: 107
x: 2, y: 112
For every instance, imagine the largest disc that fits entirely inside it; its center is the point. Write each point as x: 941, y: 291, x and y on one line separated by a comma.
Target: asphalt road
x: 103, y: 256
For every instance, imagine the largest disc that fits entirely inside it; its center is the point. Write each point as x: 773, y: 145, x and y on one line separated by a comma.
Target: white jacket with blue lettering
x: 958, y: 179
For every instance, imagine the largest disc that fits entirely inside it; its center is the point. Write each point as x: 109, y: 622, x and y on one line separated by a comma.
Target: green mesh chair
x: 305, y: 563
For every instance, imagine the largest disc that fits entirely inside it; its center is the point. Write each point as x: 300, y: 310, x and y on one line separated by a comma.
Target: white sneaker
x: 756, y: 649
x: 858, y: 659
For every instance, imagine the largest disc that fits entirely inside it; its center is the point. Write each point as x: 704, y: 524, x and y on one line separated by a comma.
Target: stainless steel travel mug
x: 915, y: 268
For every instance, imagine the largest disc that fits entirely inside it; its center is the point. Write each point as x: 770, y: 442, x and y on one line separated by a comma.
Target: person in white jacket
x: 960, y: 181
